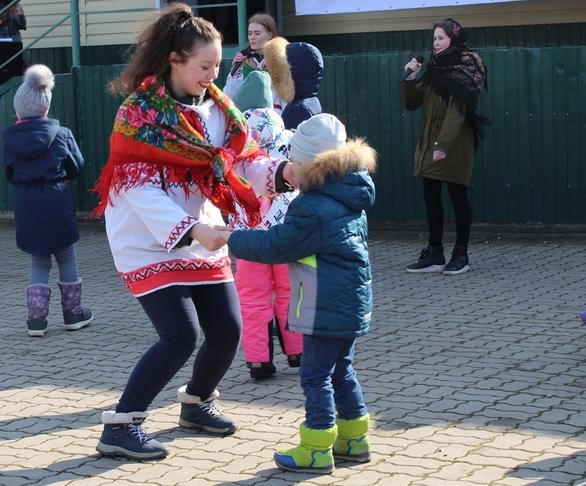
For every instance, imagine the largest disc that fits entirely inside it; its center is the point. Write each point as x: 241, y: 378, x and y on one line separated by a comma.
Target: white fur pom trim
x: 185, y: 397
x: 111, y: 417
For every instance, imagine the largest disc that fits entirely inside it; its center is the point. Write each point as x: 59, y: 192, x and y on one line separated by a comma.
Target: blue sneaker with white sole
x: 204, y: 414
x: 124, y: 436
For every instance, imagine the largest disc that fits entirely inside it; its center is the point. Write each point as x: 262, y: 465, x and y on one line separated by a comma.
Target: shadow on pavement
x: 31, y: 426
x: 552, y: 470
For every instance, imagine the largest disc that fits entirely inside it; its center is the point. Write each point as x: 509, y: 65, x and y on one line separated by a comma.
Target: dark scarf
x: 457, y: 74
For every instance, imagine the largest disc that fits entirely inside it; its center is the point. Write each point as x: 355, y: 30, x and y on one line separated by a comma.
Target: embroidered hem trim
x: 151, y: 277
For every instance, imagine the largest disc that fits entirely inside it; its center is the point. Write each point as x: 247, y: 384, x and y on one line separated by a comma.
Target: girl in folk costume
x: 178, y: 151
x: 261, y: 29
x: 448, y: 91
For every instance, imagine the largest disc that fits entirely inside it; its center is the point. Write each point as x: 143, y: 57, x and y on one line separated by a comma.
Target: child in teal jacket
x: 324, y: 240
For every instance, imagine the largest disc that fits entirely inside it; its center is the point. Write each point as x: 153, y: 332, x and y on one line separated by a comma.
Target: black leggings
x: 432, y: 194
x: 177, y: 312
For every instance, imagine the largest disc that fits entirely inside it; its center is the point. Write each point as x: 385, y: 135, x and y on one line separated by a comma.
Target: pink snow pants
x: 264, y: 294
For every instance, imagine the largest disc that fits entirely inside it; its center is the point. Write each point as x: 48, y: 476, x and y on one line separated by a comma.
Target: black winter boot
x: 294, y: 360
x: 261, y: 371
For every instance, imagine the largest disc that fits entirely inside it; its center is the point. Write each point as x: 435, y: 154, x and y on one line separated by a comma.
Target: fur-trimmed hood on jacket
x: 343, y: 174
x: 324, y: 237
x: 296, y: 68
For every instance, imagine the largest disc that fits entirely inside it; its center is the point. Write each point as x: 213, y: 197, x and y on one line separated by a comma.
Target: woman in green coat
x: 448, y: 91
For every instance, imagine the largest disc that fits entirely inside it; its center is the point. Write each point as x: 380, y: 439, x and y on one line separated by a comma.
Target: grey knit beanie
x: 33, y: 97
x: 318, y: 134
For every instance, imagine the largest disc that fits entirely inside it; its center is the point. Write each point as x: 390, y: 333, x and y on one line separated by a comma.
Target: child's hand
x: 211, y: 237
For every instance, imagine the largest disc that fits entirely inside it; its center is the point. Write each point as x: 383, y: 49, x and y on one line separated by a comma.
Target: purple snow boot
x: 37, y: 299
x: 583, y: 317
x: 74, y: 316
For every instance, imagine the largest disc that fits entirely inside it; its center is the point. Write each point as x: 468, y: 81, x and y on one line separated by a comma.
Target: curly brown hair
x: 174, y: 29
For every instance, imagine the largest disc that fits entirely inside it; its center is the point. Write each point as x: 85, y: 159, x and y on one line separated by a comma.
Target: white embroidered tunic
x: 145, y: 223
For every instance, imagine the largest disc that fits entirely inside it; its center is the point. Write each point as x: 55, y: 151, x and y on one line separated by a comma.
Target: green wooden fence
x: 544, y: 35
x: 549, y: 35
x: 531, y: 166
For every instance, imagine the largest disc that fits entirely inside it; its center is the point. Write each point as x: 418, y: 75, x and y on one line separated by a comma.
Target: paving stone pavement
x: 478, y: 379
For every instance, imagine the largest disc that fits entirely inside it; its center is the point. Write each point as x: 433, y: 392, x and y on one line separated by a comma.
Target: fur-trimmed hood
x: 343, y: 174
x: 296, y: 68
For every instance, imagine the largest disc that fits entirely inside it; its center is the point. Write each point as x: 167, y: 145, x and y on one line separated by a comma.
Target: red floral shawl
x: 153, y: 129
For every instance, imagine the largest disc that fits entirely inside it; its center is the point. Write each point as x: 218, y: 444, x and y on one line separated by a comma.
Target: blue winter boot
x: 124, y: 436
x: 204, y: 414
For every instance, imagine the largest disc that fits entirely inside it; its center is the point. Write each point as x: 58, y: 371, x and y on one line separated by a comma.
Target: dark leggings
x: 432, y: 194
x: 177, y: 313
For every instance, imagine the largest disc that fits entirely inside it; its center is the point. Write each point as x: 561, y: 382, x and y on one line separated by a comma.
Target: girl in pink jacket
x: 264, y: 289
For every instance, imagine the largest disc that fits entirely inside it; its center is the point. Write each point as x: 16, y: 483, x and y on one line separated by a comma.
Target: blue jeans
x: 177, y: 313
x: 329, y: 382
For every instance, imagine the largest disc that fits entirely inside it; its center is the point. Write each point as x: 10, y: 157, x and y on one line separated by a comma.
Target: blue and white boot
x: 124, y: 436
x: 204, y: 414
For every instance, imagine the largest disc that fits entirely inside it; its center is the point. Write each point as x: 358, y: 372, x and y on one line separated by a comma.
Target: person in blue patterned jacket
x: 324, y: 240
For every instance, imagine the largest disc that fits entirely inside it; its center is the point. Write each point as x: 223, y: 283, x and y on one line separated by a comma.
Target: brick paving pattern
x: 477, y: 379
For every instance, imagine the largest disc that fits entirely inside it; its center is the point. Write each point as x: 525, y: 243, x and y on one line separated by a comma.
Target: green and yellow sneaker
x: 313, y: 455
x: 352, y: 442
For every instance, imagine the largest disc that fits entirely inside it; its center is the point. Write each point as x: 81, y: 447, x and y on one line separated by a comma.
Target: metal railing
x: 75, y: 30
